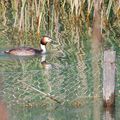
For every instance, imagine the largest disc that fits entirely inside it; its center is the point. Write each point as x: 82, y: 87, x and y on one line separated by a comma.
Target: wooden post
x: 109, y: 78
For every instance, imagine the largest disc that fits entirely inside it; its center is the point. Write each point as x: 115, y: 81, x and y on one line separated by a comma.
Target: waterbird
x: 28, y: 51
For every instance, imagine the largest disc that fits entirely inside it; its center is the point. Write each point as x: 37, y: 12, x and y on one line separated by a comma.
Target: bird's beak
x: 49, y: 40
x: 52, y: 41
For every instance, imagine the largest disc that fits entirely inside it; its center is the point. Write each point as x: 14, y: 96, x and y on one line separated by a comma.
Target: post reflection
x: 109, y: 113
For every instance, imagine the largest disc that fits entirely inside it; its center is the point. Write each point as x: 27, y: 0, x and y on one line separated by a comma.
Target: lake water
x: 60, y: 89
x: 64, y: 84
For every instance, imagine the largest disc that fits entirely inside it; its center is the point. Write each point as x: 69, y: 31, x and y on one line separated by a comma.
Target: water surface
x: 67, y: 86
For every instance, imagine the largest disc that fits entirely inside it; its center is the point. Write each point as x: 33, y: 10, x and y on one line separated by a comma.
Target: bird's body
x: 28, y: 51
x: 24, y: 51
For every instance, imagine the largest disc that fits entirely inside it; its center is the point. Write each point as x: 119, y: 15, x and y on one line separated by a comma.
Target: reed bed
x: 45, y: 16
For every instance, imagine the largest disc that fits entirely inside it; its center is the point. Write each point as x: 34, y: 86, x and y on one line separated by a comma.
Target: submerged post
x: 109, y: 78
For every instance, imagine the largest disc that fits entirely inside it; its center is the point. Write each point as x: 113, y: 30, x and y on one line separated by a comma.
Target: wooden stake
x: 109, y: 78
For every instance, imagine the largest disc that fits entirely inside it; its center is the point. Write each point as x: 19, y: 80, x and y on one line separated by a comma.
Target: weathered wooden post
x: 109, y: 79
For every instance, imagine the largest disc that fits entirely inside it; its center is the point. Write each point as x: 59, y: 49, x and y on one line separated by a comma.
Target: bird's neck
x: 43, y: 58
x: 43, y: 48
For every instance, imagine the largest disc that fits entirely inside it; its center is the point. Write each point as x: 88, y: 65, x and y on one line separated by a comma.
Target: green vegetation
x: 34, y: 18
x: 76, y: 70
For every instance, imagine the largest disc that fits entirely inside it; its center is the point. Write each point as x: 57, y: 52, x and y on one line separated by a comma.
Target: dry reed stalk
x: 56, y: 16
x: 109, y: 8
x: 21, y: 22
x: 25, y: 19
x: 15, y: 4
x: 4, y: 12
x: 37, y: 7
x: 90, y: 5
x: 117, y: 9
x: 48, y: 19
x: 38, y: 17
x: 75, y: 6
x: 32, y: 16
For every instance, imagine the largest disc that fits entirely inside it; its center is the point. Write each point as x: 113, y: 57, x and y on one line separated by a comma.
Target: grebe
x: 27, y: 51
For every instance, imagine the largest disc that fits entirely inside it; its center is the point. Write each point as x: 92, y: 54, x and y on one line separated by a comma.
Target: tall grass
x: 37, y: 14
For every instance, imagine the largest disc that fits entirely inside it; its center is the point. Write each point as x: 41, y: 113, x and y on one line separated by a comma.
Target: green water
x: 61, y: 89
x: 25, y: 83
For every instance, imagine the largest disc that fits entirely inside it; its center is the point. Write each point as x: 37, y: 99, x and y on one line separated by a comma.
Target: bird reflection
x: 45, y: 64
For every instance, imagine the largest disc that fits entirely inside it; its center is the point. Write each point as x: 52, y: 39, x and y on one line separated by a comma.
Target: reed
x: 36, y: 11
